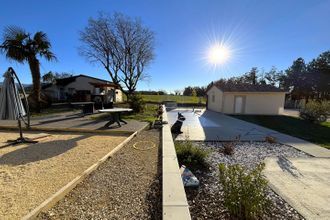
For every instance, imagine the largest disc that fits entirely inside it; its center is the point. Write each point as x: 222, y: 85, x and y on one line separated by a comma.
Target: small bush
x: 244, y: 192
x: 191, y: 156
x: 136, y: 103
x: 228, y: 148
x: 315, y: 111
x: 270, y: 139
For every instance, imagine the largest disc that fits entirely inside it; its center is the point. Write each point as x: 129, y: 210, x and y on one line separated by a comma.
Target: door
x: 238, y: 106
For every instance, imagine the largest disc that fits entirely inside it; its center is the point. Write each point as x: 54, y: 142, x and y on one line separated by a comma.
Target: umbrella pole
x: 21, y: 139
x: 20, y: 130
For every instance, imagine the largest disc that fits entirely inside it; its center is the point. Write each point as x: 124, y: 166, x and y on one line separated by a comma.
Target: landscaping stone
x: 207, y: 203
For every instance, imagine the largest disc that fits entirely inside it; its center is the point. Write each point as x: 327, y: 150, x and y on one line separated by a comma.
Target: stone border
x: 52, y: 200
x: 175, y: 205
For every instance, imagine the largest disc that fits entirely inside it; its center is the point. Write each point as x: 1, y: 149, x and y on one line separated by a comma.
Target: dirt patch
x: 30, y: 173
x: 126, y: 186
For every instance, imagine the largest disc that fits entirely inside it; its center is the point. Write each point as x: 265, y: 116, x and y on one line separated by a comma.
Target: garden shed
x: 243, y: 98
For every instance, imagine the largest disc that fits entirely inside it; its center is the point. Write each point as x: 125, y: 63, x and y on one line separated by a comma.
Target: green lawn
x: 178, y: 98
x: 149, y: 115
x: 315, y: 133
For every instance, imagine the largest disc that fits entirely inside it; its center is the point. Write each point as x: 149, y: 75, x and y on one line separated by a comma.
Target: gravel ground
x: 30, y: 173
x: 126, y: 186
x: 206, y: 202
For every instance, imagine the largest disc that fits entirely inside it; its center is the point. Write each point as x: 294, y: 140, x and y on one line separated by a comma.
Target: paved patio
x: 212, y: 126
x: 303, y: 183
x: 77, y: 121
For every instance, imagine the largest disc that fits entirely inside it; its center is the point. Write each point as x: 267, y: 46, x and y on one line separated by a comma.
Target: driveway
x: 212, y: 126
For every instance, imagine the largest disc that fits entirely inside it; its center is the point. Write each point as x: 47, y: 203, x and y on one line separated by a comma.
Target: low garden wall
x: 175, y: 205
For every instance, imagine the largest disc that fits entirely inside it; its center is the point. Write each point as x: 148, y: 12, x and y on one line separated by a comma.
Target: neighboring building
x: 231, y: 98
x: 83, y: 88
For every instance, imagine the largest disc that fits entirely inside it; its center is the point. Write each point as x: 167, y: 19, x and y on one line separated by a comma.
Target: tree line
x: 303, y: 80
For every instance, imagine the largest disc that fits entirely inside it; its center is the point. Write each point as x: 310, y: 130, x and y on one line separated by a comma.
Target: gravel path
x: 126, y: 186
x: 206, y: 202
x: 31, y: 173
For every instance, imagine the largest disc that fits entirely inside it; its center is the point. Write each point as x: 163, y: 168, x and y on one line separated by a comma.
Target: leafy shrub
x: 137, y: 103
x: 191, y: 156
x: 315, y: 111
x: 244, y: 192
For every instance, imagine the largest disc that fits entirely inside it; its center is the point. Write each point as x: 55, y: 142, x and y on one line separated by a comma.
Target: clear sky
x: 258, y: 33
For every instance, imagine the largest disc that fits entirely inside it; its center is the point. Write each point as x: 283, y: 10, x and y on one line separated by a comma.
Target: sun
x: 218, y: 54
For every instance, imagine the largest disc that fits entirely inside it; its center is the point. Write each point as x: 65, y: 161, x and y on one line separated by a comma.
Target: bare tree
x: 123, y: 46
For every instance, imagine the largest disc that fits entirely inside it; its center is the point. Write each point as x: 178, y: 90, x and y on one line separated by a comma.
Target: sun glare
x: 218, y: 54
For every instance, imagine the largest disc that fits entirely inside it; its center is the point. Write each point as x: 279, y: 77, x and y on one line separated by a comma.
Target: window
x: 70, y: 91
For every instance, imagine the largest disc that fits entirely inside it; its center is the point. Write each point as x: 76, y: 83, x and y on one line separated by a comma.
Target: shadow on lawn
x: 39, y: 151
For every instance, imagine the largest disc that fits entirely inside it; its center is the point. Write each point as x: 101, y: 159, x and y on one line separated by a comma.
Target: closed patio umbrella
x: 11, y: 106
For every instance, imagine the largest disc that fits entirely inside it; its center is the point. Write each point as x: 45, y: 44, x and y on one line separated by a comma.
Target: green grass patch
x: 149, y: 114
x: 312, y: 132
x: 177, y: 98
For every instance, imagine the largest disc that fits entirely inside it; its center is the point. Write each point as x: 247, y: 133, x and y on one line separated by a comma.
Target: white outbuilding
x: 230, y: 98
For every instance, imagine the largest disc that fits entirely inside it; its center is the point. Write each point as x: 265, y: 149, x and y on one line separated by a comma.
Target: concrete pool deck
x: 303, y: 183
x: 213, y: 126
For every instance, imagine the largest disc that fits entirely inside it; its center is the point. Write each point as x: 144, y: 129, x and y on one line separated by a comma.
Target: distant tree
x: 251, y: 77
x: 51, y: 77
x: 123, y: 46
x: 177, y: 92
x: 298, y: 80
x: 187, y: 91
x: 273, y: 76
x: 319, y: 69
x: 22, y: 47
x: 194, y: 93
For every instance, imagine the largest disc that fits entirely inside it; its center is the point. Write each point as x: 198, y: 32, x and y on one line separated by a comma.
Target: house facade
x: 83, y: 88
x: 245, y: 99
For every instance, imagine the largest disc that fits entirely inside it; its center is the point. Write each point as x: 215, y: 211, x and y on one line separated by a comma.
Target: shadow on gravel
x: 154, y: 195
x: 39, y: 151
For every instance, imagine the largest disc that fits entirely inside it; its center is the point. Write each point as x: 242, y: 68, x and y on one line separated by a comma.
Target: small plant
x: 315, y: 111
x: 191, y: 156
x: 136, y: 103
x: 228, y: 148
x: 270, y: 139
x: 244, y: 192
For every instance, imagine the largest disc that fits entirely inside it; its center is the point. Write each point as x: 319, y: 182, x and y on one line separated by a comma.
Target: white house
x: 232, y: 98
x: 83, y: 88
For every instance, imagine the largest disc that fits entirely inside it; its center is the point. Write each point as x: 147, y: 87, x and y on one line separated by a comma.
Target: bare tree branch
x: 123, y: 46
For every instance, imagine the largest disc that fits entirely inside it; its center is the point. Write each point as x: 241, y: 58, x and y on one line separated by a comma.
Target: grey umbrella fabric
x: 11, y: 106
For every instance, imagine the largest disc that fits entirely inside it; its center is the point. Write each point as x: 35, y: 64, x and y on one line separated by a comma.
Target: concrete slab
x: 175, y: 213
x: 303, y: 183
x: 214, y: 126
x: 173, y: 190
x: 75, y: 121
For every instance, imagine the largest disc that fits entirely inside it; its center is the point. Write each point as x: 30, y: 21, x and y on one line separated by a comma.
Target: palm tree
x: 18, y: 45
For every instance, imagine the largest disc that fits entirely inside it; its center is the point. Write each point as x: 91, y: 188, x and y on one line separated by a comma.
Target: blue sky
x: 258, y: 33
